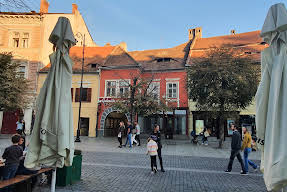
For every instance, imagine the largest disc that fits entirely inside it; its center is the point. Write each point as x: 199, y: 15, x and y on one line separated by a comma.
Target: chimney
x: 44, y: 6
x: 124, y: 46
x: 196, y: 32
x: 233, y: 32
x: 75, y: 8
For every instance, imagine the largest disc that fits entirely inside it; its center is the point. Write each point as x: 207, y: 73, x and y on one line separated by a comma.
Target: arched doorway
x: 112, y: 122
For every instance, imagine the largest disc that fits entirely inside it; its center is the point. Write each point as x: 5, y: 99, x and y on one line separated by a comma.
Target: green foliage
x: 13, y: 87
x: 222, y: 81
x: 140, y: 100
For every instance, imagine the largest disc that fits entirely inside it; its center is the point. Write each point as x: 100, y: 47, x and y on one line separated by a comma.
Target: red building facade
x: 166, y: 68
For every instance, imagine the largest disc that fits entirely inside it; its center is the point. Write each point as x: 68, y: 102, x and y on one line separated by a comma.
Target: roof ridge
x: 236, y: 34
x: 159, y: 49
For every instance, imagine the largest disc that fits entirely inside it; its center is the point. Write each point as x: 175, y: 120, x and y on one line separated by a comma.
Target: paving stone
x: 188, y: 168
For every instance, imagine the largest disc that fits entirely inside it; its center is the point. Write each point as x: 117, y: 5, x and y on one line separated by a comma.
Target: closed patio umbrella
x: 52, y: 140
x: 271, y: 99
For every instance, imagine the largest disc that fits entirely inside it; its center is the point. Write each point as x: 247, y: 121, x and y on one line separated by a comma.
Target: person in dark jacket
x: 12, y: 155
x: 155, y: 135
x: 120, y: 133
x: 235, y: 150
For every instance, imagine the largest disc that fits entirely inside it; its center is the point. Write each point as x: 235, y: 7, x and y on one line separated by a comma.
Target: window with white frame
x: 154, y: 89
x: 22, y: 71
x: 111, y: 87
x: 16, y: 39
x: 25, y: 40
x: 172, y: 90
x: 123, y: 87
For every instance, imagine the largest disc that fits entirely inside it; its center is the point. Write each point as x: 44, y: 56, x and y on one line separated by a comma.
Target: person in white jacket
x: 152, y: 152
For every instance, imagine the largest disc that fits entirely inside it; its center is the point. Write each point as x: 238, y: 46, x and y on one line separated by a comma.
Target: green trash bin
x: 77, y: 168
x: 69, y: 175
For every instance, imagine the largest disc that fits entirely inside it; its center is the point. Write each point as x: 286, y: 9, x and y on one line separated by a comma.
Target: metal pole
x: 53, y: 182
x: 81, y: 91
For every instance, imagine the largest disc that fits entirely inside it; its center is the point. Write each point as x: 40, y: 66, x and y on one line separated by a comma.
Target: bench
x: 23, y: 180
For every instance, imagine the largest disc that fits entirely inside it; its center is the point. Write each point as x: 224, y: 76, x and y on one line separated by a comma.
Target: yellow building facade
x: 88, y: 109
x: 26, y: 36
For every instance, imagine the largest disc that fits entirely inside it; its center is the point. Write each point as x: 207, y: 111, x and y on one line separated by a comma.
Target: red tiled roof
x: 148, y: 57
x: 236, y: 40
x: 93, y: 55
x: 119, y: 57
x: 249, y: 43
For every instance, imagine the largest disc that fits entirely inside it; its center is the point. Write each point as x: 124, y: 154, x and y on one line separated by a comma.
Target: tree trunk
x: 221, y: 123
x: 221, y: 130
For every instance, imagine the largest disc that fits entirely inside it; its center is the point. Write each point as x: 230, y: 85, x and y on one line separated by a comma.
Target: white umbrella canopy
x: 52, y: 140
x: 271, y: 99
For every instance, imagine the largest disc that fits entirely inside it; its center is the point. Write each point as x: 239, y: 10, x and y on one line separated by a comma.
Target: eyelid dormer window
x: 164, y: 59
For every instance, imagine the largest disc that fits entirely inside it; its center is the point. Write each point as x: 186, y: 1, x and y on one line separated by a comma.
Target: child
x: 12, y: 155
x: 152, y: 152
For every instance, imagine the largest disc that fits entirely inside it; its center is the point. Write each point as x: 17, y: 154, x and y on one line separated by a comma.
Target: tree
x: 140, y: 99
x: 223, y: 81
x: 13, y: 87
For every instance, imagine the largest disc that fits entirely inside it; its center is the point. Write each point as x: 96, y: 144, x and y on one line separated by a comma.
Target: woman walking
x: 120, y: 133
x: 155, y: 135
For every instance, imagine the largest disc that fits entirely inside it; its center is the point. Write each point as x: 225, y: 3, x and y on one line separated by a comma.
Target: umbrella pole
x: 53, y: 183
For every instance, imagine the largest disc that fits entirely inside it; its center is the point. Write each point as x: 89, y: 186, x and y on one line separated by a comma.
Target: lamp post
x: 81, y: 88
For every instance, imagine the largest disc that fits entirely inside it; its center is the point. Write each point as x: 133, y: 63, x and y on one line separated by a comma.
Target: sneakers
x: 227, y: 171
x: 244, y: 173
x: 120, y: 146
x: 155, y: 170
x: 162, y: 170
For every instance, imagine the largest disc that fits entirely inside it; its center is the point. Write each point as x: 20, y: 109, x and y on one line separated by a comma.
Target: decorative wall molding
x: 104, y: 116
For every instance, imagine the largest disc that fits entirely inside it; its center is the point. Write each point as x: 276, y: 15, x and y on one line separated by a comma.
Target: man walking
x: 235, y: 150
x: 155, y: 135
x: 129, y: 135
x: 246, y: 147
x: 138, y: 131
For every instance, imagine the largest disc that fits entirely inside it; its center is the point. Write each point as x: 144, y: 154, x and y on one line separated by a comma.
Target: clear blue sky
x: 152, y: 24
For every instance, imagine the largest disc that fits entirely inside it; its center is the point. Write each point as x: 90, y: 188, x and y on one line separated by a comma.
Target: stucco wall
x: 88, y: 110
x: 78, y: 25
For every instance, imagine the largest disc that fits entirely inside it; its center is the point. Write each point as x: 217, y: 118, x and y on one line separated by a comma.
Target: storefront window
x: 180, y: 122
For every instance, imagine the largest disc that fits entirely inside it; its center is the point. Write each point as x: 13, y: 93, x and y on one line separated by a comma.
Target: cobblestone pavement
x: 188, y: 168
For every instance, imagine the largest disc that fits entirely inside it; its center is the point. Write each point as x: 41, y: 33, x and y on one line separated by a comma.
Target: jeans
x: 19, y: 131
x: 235, y: 153
x: 153, y: 162
x: 9, y: 171
x: 247, y: 161
x: 129, y: 139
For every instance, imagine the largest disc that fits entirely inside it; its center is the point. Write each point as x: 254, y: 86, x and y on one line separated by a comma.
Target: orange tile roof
x: 147, y: 58
x: 93, y: 55
x: 249, y: 43
x: 236, y: 40
x: 119, y: 57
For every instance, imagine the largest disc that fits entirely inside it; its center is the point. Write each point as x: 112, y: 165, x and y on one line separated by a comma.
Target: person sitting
x: 12, y: 155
